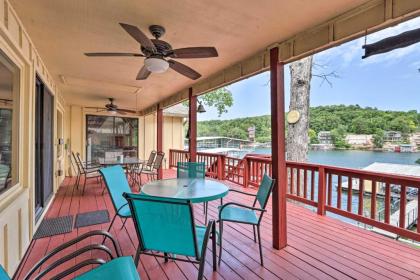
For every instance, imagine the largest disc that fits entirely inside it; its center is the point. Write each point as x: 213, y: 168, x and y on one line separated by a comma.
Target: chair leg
x: 253, y: 229
x: 213, y: 243
x: 110, y: 226
x: 220, y: 240
x: 124, y: 223
x: 77, y: 181
x: 137, y: 258
x: 166, y: 257
x: 259, y: 244
x: 84, y: 185
x: 206, y: 207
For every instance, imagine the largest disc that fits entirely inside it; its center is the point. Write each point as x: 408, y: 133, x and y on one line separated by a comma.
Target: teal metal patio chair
x: 117, y: 184
x: 245, y: 214
x: 117, y: 267
x: 193, y: 170
x: 167, y: 226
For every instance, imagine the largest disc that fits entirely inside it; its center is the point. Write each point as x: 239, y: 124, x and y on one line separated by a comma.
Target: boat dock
x: 411, y: 215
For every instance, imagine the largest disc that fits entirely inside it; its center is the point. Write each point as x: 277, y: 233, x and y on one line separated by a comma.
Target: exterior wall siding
x: 17, y: 222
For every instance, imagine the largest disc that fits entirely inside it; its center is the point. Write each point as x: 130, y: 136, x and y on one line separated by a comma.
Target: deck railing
x: 342, y: 191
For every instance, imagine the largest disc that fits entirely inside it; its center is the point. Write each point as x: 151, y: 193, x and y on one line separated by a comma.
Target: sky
x: 389, y: 81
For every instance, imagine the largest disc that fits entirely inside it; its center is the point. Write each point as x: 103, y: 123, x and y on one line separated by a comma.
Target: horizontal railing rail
x: 351, y: 193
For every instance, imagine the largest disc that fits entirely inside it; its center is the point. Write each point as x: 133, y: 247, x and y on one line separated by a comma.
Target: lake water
x: 353, y: 158
x: 356, y: 159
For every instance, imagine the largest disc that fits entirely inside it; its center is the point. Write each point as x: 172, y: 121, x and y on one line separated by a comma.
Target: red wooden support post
x: 329, y: 189
x: 361, y: 193
x: 373, y: 201
x: 192, y: 125
x: 220, y: 167
x: 349, y: 194
x: 387, y: 203
x: 159, y: 134
x: 321, y: 191
x: 339, y: 192
x: 246, y: 172
x: 403, y: 203
x: 278, y: 150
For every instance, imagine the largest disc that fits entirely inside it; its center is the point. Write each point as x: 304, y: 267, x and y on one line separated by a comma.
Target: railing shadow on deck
x: 342, y: 191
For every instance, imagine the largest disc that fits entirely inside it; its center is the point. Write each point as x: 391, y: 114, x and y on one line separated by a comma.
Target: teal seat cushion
x: 120, y: 268
x: 239, y: 214
x: 3, y: 274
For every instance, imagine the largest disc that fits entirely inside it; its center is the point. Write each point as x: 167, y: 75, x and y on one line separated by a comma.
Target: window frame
x: 16, y: 143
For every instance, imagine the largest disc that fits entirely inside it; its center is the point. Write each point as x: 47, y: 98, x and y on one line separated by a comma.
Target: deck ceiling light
x: 156, y: 65
x: 402, y: 40
x: 201, y: 108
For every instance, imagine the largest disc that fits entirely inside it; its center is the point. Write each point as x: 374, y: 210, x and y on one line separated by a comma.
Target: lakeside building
x: 324, y: 137
x: 359, y: 140
x: 213, y: 142
x: 392, y: 136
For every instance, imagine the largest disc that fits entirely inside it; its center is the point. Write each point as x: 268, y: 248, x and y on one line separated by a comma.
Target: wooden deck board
x: 319, y: 247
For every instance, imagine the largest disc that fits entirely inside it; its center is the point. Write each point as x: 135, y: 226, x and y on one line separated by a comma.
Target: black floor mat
x: 92, y: 218
x: 54, y: 226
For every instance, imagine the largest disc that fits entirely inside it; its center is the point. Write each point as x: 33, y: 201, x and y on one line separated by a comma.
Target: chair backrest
x: 3, y: 274
x: 158, y: 160
x: 79, y: 158
x: 76, y: 161
x: 116, y: 183
x: 164, y: 224
x: 191, y: 170
x: 264, y: 191
x: 151, y: 159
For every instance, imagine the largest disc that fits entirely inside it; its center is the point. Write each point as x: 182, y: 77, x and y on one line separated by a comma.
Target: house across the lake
x: 324, y: 137
x: 212, y: 142
x: 392, y: 136
x: 359, y: 140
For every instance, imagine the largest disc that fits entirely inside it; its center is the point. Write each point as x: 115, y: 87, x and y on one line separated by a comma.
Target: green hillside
x: 340, y: 118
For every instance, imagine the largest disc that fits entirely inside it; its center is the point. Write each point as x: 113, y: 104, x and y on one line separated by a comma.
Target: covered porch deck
x: 319, y: 247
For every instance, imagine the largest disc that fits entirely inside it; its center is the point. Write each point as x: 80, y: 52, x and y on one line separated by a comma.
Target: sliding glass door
x: 108, y: 137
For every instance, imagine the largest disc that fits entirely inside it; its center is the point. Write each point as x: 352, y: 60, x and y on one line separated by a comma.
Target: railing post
x: 192, y: 125
x: 321, y: 191
x: 246, y: 172
x: 221, y: 167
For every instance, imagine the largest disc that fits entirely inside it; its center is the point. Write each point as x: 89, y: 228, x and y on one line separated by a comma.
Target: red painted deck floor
x: 319, y: 247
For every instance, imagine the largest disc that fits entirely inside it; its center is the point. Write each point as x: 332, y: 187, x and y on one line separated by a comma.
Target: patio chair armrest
x: 210, y: 228
x: 72, y: 242
x: 242, y: 192
x: 74, y: 254
x: 240, y: 205
x: 78, y: 266
x: 121, y: 207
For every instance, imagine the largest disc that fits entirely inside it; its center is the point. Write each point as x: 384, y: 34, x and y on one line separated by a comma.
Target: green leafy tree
x: 313, y: 137
x: 338, y: 136
x: 221, y: 99
x: 378, y: 139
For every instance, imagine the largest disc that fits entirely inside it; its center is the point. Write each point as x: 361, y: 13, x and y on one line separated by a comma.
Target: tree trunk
x: 300, y: 85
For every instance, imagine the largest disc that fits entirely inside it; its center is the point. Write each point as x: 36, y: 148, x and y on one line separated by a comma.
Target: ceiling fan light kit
x: 156, y: 65
x: 157, y: 52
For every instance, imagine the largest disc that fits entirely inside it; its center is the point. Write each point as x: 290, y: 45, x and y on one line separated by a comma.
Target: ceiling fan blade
x: 143, y: 74
x: 121, y: 112
x: 184, y: 69
x: 112, y: 54
x: 139, y: 36
x: 195, y: 52
x: 127, y: 111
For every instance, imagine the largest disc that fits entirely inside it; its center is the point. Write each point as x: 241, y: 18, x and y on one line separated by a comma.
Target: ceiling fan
x: 157, y: 52
x: 112, y: 108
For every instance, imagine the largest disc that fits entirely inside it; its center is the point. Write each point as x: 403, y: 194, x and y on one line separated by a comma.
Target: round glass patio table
x: 195, y: 190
